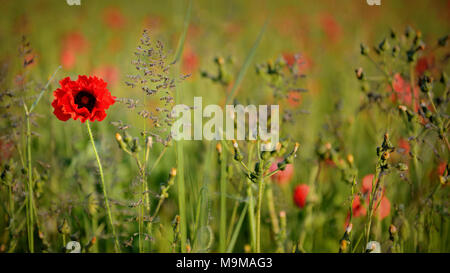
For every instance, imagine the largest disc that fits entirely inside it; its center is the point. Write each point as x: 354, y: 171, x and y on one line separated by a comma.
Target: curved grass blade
x: 43, y: 90
x: 237, y: 229
x: 246, y: 64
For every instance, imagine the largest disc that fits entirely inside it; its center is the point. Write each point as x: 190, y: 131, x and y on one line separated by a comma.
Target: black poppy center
x: 85, y: 99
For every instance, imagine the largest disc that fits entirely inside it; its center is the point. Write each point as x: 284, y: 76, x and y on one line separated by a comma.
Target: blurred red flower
x: 330, y: 27
x: 153, y: 22
x: 303, y: 63
x: 424, y: 63
x: 294, y: 98
x: 404, y: 146
x: 109, y: 73
x: 6, y: 148
x: 281, y: 177
x: 190, y: 61
x: 73, y: 44
x: 384, y: 206
x: 113, y: 17
x: 300, y: 194
x: 357, y: 208
x: 85, y: 98
x: 402, y: 92
x: 367, y: 184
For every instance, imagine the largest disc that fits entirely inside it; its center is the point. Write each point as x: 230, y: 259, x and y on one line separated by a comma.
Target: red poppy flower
x: 6, y: 149
x: 330, y: 27
x: 303, y: 63
x: 384, y: 207
x: 404, y: 146
x: 425, y: 63
x: 73, y: 44
x: 113, y: 17
x: 358, y: 208
x: 85, y: 98
x: 110, y: 73
x: 367, y: 184
x: 300, y: 194
x: 402, y: 92
x: 281, y: 177
x: 294, y: 98
x: 190, y: 60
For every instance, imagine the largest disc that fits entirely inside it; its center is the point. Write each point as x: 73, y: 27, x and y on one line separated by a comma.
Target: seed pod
x: 384, y: 45
x: 135, y: 147
x: 64, y: 228
x: 364, y: 49
x: 425, y: 83
x: 443, y: 41
x: 120, y: 142
x: 395, y: 51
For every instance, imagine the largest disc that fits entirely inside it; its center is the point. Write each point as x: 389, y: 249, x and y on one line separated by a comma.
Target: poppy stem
x: 108, y: 209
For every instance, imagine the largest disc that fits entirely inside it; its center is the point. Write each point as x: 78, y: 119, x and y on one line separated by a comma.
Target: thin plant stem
x: 30, y: 214
x: 179, y: 145
x: 105, y: 194
x: 272, y: 210
x: 223, y: 204
x: 258, y: 209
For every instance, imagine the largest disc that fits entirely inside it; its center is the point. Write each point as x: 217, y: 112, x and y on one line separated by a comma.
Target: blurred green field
x: 328, y: 121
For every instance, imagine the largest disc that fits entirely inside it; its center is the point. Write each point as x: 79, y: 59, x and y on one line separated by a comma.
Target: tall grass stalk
x: 223, y: 203
x: 179, y: 144
x: 29, y: 206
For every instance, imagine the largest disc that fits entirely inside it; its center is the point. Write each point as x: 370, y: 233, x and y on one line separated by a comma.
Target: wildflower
x: 358, y: 208
x: 190, y: 60
x: 85, y: 98
x: 73, y: 44
x: 283, y: 176
x: 294, y: 98
x: 402, y: 91
x: 302, y: 62
x: 382, y: 206
x: 113, y: 18
x: 300, y: 194
x: 367, y: 184
x: 425, y: 63
x: 109, y: 73
x: 404, y: 146
x: 330, y: 27
x: 6, y: 149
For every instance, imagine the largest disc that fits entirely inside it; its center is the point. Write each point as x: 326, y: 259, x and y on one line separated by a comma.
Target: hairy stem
x: 105, y: 195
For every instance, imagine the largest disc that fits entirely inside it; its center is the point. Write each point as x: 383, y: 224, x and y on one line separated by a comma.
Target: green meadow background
x: 105, y: 34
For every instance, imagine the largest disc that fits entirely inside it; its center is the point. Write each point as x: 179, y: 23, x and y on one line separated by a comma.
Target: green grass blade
x: 246, y: 64
x: 237, y: 229
x: 179, y: 144
x: 44, y: 89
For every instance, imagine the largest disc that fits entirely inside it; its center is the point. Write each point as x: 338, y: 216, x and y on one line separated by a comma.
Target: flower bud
x: 425, y: 83
x: 359, y: 73
x: 364, y: 50
x: 64, y: 228
x: 384, y: 45
x: 443, y: 41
